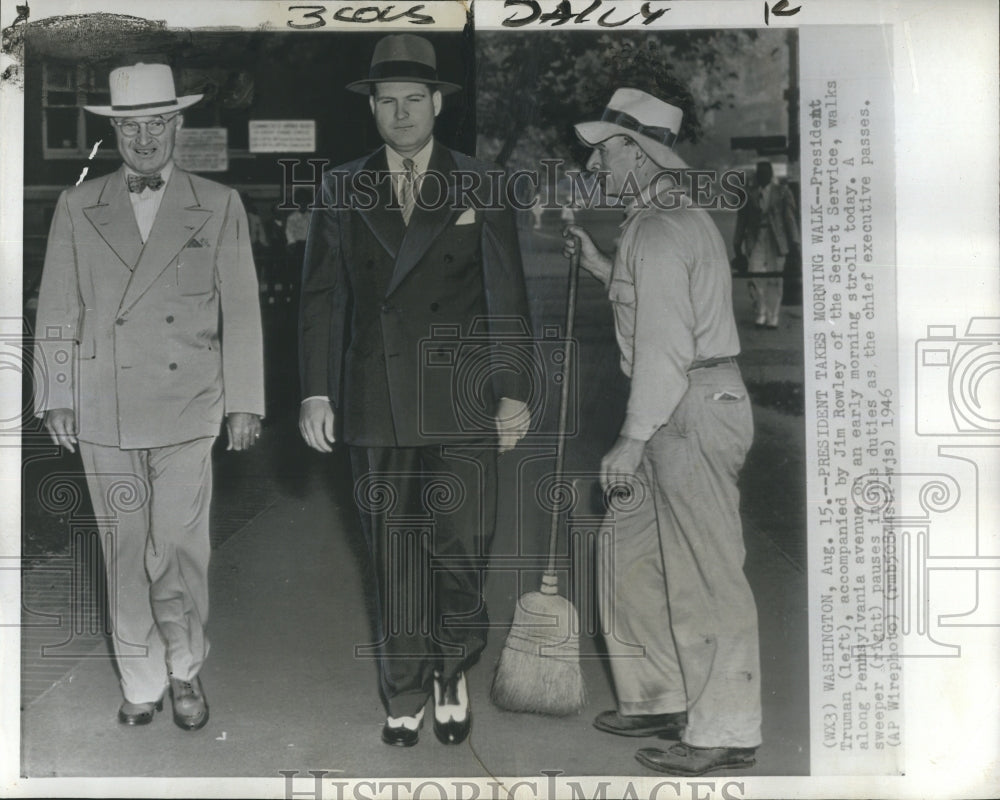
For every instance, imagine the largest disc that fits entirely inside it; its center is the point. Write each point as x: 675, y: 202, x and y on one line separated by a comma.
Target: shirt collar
x: 420, y: 160
x: 664, y: 189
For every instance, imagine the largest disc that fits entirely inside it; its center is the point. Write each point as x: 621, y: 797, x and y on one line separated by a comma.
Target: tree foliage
x: 532, y: 88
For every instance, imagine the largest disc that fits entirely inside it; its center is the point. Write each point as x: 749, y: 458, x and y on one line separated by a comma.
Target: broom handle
x: 574, y: 270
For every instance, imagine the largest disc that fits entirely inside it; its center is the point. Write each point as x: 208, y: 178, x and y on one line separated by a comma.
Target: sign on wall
x: 282, y: 136
x: 202, y: 149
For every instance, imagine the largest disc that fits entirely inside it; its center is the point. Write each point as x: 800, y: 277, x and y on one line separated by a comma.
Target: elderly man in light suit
x: 148, y: 335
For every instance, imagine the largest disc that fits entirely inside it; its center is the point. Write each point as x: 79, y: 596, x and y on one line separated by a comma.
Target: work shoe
x: 668, y: 725
x: 138, y: 713
x: 190, y: 707
x: 684, y: 759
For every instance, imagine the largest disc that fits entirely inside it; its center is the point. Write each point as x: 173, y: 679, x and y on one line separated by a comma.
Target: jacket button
x: 173, y: 366
x: 170, y: 318
x: 120, y: 321
x: 386, y: 308
x: 434, y: 306
x: 448, y: 258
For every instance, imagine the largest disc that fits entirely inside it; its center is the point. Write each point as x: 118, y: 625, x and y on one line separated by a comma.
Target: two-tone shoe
x: 452, y: 712
x: 402, y: 731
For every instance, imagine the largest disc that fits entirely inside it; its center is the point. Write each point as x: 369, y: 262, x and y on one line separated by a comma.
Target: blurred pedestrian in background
x: 767, y: 228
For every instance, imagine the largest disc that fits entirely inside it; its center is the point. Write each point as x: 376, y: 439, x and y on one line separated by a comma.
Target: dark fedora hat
x: 403, y: 58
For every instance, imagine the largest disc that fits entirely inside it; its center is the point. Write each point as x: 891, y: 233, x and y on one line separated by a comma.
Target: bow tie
x: 136, y: 183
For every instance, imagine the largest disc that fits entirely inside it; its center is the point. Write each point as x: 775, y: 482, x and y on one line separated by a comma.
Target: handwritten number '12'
x: 780, y: 9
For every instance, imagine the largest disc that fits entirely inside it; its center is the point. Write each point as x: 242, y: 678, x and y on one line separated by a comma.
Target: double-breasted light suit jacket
x: 150, y: 344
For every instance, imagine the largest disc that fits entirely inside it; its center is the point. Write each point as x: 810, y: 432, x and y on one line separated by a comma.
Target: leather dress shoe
x: 452, y: 713
x: 665, y: 725
x: 687, y: 760
x: 396, y: 733
x: 138, y: 713
x: 190, y: 706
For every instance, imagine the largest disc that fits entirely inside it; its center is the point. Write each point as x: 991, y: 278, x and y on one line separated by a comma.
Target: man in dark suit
x: 408, y: 287
x: 143, y: 268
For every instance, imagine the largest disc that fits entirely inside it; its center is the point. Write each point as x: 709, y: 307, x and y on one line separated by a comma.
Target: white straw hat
x: 650, y: 122
x: 141, y: 90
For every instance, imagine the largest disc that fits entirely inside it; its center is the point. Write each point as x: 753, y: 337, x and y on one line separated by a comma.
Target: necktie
x: 136, y: 183
x: 407, y: 189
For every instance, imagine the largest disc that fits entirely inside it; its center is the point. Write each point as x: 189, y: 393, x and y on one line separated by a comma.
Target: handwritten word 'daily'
x: 305, y: 17
x: 564, y: 13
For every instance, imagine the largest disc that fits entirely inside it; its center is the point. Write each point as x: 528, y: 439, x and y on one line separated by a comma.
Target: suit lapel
x: 114, y: 220
x: 385, y: 223
x: 430, y: 217
x: 178, y: 219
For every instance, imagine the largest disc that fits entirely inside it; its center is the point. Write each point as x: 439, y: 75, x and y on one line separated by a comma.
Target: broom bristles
x: 539, y: 668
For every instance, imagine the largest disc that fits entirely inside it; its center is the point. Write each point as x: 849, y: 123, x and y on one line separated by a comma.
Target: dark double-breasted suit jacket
x: 413, y: 331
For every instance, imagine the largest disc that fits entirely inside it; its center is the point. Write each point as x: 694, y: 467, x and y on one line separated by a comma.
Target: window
x: 67, y: 130
x: 70, y: 132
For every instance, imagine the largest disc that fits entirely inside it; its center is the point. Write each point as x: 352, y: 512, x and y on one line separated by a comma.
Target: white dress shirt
x: 146, y: 203
x: 421, y: 160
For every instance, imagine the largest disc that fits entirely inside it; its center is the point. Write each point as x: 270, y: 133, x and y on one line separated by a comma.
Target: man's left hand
x: 513, y: 419
x: 243, y: 429
x: 621, y: 462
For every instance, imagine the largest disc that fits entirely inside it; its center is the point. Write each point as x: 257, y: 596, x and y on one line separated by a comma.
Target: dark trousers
x: 428, y: 515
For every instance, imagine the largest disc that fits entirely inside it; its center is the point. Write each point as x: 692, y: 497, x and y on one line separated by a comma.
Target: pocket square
x: 197, y: 243
x: 468, y: 217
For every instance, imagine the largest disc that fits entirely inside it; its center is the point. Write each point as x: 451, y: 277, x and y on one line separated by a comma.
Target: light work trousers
x: 679, y: 617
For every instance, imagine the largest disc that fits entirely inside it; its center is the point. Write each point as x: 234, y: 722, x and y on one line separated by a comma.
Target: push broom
x: 539, y: 667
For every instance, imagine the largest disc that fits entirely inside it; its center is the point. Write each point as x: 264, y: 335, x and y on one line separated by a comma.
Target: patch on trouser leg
x: 723, y: 692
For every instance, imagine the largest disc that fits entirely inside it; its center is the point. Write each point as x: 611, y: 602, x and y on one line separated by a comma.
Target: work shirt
x: 671, y: 291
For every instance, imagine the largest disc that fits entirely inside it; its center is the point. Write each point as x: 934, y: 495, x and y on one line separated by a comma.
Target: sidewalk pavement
x: 288, y: 608
x: 287, y: 693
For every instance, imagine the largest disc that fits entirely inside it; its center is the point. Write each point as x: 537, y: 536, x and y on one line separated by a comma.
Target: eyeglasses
x: 154, y: 127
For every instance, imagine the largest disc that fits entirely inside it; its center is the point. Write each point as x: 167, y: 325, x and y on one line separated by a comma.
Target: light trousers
x: 766, y: 293
x: 679, y: 617
x: 152, y: 509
